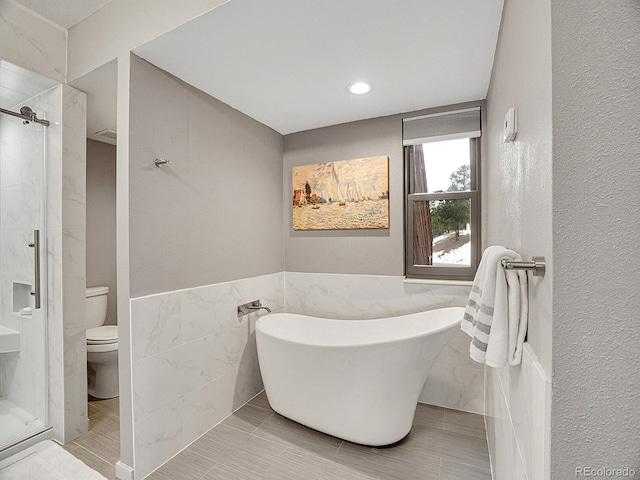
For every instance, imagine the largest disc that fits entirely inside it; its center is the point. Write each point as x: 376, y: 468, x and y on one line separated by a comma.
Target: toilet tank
x: 96, y: 306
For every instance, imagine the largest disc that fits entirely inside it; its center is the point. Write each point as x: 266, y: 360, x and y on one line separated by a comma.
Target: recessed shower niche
x: 23, y: 301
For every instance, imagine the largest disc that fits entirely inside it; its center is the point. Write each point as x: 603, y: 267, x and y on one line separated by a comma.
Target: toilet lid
x: 103, y: 334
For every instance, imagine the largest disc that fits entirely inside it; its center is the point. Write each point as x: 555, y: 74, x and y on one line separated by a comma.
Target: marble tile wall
x: 518, y: 413
x: 455, y: 381
x: 73, y: 253
x: 66, y: 110
x: 194, y: 362
x: 23, y: 373
x: 32, y: 42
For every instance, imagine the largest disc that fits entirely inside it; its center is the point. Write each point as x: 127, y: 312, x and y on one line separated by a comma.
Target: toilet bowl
x: 102, y: 346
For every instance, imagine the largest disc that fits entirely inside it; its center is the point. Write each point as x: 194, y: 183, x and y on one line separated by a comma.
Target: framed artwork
x: 348, y: 194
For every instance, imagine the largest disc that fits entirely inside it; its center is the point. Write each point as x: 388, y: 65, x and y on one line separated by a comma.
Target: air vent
x: 108, y: 133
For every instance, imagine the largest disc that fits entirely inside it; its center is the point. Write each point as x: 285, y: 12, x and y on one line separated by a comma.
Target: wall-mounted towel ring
x: 536, y: 265
x: 161, y: 161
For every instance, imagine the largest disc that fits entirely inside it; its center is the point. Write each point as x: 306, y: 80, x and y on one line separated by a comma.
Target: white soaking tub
x: 358, y: 380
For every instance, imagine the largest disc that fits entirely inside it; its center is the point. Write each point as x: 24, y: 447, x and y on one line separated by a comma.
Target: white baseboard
x: 123, y: 471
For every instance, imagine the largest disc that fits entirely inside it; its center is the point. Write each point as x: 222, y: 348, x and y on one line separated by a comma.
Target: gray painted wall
x: 366, y: 252
x: 101, y: 221
x: 215, y: 213
x: 374, y: 252
x: 517, y: 176
x: 596, y: 147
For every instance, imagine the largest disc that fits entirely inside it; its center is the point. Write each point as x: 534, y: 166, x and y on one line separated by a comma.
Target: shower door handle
x: 36, y: 266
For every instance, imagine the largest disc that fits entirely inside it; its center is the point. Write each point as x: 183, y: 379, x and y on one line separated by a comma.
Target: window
x: 442, y: 154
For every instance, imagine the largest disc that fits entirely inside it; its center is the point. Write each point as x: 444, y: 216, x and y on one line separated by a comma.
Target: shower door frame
x: 24, y: 439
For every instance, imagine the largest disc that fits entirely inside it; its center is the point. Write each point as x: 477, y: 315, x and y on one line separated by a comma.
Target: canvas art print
x: 349, y: 194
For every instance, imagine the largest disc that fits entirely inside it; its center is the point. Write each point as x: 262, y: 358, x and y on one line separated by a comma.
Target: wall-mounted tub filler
x: 247, y: 308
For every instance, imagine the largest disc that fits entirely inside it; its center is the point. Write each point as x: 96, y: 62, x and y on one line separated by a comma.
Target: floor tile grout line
x: 208, y: 471
x: 95, y: 455
x: 296, y: 448
x: 261, y: 408
x: 246, y: 433
x: 261, y: 423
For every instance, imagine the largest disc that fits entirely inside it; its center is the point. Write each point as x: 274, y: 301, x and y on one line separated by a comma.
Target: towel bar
x: 536, y: 265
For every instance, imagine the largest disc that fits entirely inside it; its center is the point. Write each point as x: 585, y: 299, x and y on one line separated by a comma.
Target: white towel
x: 497, y: 311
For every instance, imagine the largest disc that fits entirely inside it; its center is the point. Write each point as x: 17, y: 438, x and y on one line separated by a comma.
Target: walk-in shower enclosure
x: 24, y: 390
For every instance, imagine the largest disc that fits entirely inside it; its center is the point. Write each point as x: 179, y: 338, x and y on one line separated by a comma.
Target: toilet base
x: 102, y: 374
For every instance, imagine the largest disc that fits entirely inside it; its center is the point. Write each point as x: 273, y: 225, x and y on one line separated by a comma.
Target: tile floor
x: 99, y: 448
x: 257, y: 443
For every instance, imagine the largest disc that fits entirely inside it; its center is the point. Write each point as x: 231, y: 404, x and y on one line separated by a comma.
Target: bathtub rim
x: 402, y: 339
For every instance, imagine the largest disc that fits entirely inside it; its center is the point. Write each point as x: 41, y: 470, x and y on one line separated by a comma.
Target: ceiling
x: 65, y: 13
x: 287, y: 64
x: 100, y: 85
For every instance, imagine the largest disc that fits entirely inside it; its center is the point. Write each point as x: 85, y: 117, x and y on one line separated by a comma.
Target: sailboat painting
x: 341, y: 195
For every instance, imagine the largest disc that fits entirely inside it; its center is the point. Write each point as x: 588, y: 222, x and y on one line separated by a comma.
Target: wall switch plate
x: 510, y: 125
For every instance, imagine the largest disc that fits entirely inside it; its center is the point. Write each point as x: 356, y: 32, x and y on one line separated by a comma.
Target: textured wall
x: 517, y: 213
x: 215, y: 213
x: 101, y: 221
x: 596, y: 147
x: 516, y: 177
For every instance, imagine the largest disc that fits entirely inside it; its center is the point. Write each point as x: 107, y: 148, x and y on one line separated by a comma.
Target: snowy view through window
x: 447, y: 167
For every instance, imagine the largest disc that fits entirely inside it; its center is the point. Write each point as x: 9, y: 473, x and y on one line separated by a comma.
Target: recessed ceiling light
x: 359, y: 88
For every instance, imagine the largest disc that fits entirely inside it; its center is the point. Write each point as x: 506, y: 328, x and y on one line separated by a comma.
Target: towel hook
x: 161, y: 161
x: 537, y: 265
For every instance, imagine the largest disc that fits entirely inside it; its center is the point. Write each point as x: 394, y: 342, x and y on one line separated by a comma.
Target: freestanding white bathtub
x: 358, y: 380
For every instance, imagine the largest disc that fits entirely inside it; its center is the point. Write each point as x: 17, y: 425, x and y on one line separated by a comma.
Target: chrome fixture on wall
x: 161, y: 161
x: 537, y: 265
x: 247, y: 308
x: 27, y: 115
x: 36, y: 266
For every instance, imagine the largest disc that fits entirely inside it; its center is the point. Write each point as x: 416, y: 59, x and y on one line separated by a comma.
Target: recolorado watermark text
x: 605, y: 472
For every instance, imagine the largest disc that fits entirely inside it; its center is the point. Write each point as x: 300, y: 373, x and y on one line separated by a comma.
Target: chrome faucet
x: 255, y: 309
x: 254, y: 306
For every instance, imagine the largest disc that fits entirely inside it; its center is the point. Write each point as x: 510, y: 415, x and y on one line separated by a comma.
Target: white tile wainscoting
x: 518, y: 420
x: 194, y: 362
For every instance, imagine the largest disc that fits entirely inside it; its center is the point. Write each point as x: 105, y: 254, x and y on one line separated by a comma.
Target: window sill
x: 430, y: 281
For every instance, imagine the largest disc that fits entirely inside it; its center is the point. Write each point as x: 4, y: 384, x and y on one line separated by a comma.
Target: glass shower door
x: 24, y: 400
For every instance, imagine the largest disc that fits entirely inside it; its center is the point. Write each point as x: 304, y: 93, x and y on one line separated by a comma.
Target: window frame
x: 451, y: 272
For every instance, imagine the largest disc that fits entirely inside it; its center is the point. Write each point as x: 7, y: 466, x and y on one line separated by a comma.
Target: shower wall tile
x: 21, y: 205
x: 194, y: 362
x: 65, y: 108
x: 17, y: 256
x: 455, y: 381
x: 51, y: 103
x: 33, y: 43
x: 73, y: 260
x: 23, y: 373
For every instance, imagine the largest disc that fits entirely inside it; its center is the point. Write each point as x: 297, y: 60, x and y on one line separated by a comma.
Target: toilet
x: 102, y: 346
